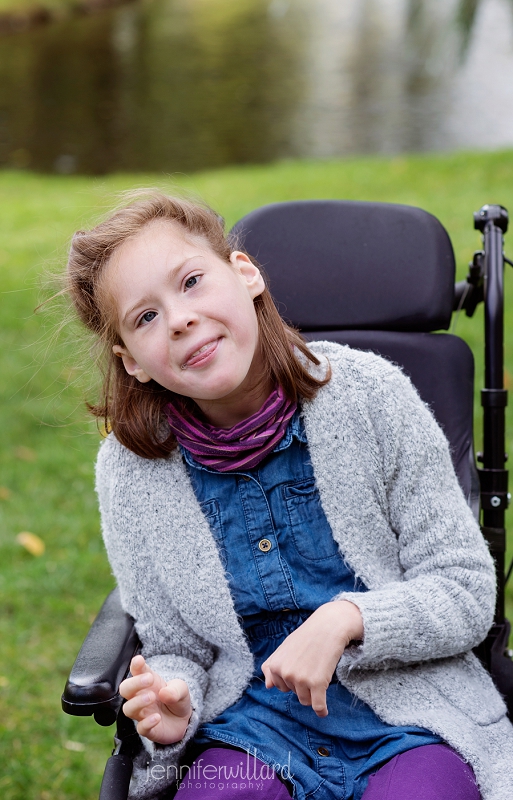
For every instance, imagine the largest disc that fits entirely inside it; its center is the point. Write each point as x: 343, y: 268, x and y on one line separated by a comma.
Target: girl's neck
x: 229, y: 411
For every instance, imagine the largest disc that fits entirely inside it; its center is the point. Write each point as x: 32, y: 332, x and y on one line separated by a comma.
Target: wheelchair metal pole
x: 118, y: 769
x: 493, y: 222
x: 493, y: 477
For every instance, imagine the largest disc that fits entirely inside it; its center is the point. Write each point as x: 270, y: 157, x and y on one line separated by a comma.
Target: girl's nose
x: 181, y: 322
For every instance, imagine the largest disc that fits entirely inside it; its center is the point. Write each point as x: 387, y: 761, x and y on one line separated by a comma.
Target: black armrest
x: 101, y: 665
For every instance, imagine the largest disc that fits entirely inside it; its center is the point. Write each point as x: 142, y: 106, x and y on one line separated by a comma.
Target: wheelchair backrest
x: 377, y: 277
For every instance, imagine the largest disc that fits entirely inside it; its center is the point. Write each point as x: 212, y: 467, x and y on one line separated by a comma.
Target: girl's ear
x: 251, y: 274
x: 130, y: 364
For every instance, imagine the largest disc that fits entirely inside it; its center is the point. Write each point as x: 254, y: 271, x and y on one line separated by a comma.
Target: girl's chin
x: 220, y: 397
x: 224, y: 396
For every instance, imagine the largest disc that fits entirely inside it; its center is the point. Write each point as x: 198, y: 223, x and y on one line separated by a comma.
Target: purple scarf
x: 240, y: 447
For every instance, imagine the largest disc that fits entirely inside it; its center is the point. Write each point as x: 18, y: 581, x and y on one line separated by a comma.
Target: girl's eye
x: 192, y: 281
x: 148, y: 316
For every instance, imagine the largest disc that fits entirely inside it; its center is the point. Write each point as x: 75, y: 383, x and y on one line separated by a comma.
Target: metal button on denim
x: 264, y: 545
x: 323, y: 751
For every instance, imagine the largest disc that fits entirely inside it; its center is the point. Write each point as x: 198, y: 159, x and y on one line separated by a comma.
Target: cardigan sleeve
x: 445, y: 603
x: 170, y: 647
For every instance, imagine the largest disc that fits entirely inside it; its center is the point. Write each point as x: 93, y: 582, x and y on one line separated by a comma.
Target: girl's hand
x: 163, y: 710
x: 305, y: 662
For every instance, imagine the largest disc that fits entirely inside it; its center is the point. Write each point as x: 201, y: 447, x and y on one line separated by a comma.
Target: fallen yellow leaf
x: 5, y: 493
x: 78, y: 747
x: 31, y: 542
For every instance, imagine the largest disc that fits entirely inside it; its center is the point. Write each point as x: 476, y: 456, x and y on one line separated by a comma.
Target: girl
x: 287, y: 530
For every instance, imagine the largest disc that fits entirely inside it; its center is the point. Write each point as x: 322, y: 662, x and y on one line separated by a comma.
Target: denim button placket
x: 265, y: 584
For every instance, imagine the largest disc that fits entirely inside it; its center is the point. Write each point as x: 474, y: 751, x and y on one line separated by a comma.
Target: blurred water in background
x: 180, y: 85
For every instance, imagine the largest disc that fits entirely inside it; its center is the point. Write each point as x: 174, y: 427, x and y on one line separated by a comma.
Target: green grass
x: 49, y: 602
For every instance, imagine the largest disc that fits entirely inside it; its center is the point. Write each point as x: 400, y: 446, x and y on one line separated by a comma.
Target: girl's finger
x: 131, y: 686
x: 279, y: 683
x: 304, y: 696
x: 138, y: 707
x: 176, y: 697
x: 146, y: 725
x: 269, y: 682
x: 138, y: 665
x: 318, y: 701
x: 273, y: 679
x: 177, y: 690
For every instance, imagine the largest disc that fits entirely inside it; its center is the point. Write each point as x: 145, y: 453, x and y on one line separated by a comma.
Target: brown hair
x: 133, y: 410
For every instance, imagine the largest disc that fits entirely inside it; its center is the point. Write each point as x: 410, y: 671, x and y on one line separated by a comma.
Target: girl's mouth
x: 202, y: 355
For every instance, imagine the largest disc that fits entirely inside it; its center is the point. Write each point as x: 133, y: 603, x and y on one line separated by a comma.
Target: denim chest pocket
x: 212, y: 512
x: 309, y: 527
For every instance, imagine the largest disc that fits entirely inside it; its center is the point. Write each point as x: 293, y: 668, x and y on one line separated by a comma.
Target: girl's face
x: 187, y: 320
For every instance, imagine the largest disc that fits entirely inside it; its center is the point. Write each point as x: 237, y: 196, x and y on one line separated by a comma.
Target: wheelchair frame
x: 485, y: 282
x: 104, y: 659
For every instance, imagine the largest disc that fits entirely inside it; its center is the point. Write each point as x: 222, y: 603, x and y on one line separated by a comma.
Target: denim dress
x: 282, y: 563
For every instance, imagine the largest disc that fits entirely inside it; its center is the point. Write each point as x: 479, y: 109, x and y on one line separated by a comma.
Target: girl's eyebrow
x: 147, y: 298
x: 141, y: 302
x: 172, y: 272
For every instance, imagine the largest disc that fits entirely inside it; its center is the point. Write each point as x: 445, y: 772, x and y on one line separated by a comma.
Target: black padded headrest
x: 337, y: 264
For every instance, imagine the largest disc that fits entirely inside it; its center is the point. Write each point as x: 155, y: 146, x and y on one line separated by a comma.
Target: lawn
x: 48, y: 443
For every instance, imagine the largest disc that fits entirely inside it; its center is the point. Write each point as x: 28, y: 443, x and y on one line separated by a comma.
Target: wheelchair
x: 377, y: 277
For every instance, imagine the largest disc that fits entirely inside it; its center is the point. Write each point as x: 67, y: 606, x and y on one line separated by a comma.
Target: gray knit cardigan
x: 388, y: 488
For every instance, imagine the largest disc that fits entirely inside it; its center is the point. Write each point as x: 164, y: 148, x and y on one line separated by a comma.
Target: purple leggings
x: 430, y: 772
